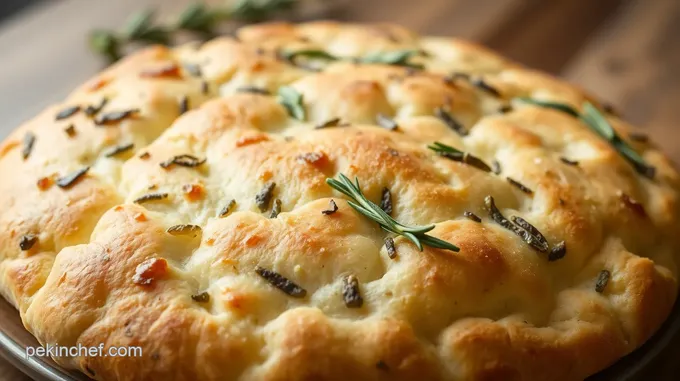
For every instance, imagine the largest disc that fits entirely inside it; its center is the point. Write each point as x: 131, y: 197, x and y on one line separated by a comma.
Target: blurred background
x: 626, y: 52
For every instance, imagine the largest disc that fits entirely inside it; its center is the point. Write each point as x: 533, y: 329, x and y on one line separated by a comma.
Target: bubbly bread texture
x: 178, y: 202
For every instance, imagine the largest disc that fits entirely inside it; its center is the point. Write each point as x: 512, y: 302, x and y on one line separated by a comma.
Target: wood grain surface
x: 624, y: 51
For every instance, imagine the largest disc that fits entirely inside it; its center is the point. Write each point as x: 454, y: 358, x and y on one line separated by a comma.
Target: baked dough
x: 101, y: 265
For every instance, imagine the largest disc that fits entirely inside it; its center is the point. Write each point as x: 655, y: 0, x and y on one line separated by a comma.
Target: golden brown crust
x: 105, y: 270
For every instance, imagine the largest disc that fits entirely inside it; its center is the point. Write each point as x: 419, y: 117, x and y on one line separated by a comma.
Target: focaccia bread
x: 179, y: 202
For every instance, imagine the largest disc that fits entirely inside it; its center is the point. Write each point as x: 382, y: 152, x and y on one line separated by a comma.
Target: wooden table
x: 627, y: 52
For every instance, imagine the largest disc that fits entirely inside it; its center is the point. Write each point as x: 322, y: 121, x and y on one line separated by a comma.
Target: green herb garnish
x: 313, y: 54
x: 197, y: 18
x: 602, y: 280
x: 29, y: 142
x: 291, y: 99
x: 72, y: 178
x: 594, y: 119
x: 456, y: 155
x: 398, y: 58
x: 361, y: 204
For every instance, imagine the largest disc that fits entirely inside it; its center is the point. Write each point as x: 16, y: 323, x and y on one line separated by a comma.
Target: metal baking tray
x: 14, y: 339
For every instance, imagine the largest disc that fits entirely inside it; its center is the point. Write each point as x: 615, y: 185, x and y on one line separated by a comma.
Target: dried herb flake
x: 276, y: 209
x: 557, y: 252
x: 184, y: 230
x: 263, y: 198
x: 350, y: 292
x: 282, y: 283
x: 519, y: 185
x: 332, y: 208
x: 72, y: 178
x: 117, y: 150
x: 114, y: 117
x: 386, y: 201
x: 27, y: 242
x: 472, y: 216
x: 460, y: 156
x: 568, y: 161
x: 67, y: 112
x: 524, y: 234
x: 253, y: 90
x: 602, y: 280
x: 150, y: 197
x: 29, y: 142
x: 450, y: 121
x: 329, y: 123
x: 203, y: 297
x: 227, y: 208
x: 185, y: 160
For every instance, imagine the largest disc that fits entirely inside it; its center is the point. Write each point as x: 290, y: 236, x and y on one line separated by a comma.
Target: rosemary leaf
x: 361, y: 204
x: 292, y: 100
x: 456, y: 155
x: 397, y: 58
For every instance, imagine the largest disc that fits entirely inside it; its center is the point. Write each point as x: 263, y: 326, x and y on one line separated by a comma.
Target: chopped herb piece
x: 73, y: 177
x: 350, y: 292
x: 151, y: 197
x: 479, y: 83
x: 496, y: 167
x: 472, y: 216
x: 553, y: 105
x: 114, y: 117
x: 314, y: 54
x: 557, y: 252
x: 263, y: 198
x: 525, y: 235
x: 276, y: 209
x: 332, y: 208
x: 185, y: 160
x: 253, y: 90
x: 329, y: 123
x: 361, y: 204
x: 193, y: 69
x: 117, y: 150
x: 29, y: 142
x: 450, y: 121
x: 145, y: 156
x: 67, y: 112
x: 638, y: 137
x: 282, y: 283
x: 227, y: 208
x: 633, y: 204
x: 568, y: 162
x: 205, y: 87
x: 519, y: 185
x: 602, y: 280
x: 192, y: 230
x: 398, y: 58
x: 292, y: 100
x: 386, y: 122
x: 92, y: 110
x: 382, y: 366
x: 70, y: 130
x: 601, y: 126
x: 456, y: 155
x: 540, y: 238
x: 592, y: 117
x: 183, y: 104
x: 27, y: 242
x: 386, y: 201
x: 389, y: 246
x: 203, y: 297
x: 505, y: 109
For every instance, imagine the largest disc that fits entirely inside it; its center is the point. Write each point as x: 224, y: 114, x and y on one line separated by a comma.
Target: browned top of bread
x: 91, y: 258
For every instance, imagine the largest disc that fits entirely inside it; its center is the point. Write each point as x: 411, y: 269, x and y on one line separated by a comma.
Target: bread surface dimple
x: 107, y: 267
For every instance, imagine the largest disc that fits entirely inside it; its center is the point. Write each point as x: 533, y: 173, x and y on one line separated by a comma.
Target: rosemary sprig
x: 361, y: 204
x: 197, y: 18
x: 594, y: 119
